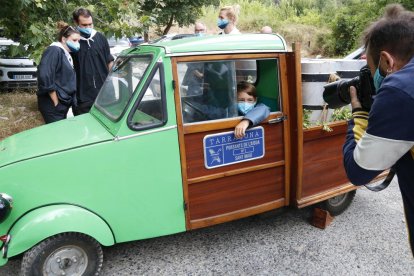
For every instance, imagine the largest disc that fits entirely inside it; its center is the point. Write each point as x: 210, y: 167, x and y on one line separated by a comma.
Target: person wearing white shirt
x: 227, y: 20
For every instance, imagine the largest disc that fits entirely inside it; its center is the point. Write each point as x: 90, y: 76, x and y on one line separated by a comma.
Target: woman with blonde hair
x: 227, y: 20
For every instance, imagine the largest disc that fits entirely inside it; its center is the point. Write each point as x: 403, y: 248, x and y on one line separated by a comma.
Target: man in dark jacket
x: 92, y: 62
x: 384, y: 137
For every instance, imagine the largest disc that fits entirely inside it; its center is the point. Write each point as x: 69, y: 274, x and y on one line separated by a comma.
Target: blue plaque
x: 224, y: 149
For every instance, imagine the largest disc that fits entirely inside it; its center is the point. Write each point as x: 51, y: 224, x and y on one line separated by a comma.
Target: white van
x: 15, y: 72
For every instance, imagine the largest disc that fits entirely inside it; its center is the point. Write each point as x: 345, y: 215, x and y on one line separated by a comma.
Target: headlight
x: 5, y: 206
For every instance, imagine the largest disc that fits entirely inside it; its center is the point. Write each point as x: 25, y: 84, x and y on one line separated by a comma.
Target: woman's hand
x: 240, y: 129
x: 54, y: 98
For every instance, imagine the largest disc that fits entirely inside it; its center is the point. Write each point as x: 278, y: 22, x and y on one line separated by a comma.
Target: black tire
x: 71, y: 253
x: 338, y: 204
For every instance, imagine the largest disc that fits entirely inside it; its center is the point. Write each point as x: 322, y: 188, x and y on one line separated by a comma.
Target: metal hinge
x: 185, y: 206
x: 278, y: 120
x: 173, y: 84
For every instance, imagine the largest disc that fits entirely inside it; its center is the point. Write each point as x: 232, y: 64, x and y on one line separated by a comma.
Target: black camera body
x: 336, y: 94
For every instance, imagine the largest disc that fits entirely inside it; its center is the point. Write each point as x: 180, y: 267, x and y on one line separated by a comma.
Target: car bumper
x: 18, y: 84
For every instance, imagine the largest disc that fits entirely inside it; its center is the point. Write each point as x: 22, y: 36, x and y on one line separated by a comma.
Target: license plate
x: 20, y: 77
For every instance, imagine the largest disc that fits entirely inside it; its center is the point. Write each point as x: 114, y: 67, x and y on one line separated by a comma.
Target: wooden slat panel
x: 221, y: 124
x: 198, y: 223
x: 234, y: 172
x: 229, y: 194
x: 339, y: 128
x: 322, y: 160
x: 177, y: 100
x: 195, y: 158
x: 338, y: 190
x: 294, y: 87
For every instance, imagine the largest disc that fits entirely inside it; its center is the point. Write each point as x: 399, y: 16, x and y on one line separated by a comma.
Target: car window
x: 208, y: 88
x: 150, y: 111
x: 121, y: 84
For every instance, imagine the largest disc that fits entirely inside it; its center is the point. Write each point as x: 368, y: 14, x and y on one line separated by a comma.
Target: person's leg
x: 82, y: 108
x: 51, y: 113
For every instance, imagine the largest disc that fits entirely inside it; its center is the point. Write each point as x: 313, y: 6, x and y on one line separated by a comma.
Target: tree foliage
x: 183, y: 12
x: 33, y: 22
x: 338, y: 23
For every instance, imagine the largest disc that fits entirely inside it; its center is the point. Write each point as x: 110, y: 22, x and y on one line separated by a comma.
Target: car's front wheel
x: 64, y: 254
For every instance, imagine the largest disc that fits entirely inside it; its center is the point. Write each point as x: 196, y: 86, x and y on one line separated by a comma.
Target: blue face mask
x: 85, y: 32
x: 73, y: 46
x: 222, y: 23
x: 245, y: 107
x: 378, y: 78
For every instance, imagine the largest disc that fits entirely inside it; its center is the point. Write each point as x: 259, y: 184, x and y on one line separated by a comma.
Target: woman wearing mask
x: 227, y: 20
x: 56, y: 76
x: 247, y: 106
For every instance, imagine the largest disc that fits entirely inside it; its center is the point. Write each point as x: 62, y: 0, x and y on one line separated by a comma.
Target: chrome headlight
x: 6, y: 204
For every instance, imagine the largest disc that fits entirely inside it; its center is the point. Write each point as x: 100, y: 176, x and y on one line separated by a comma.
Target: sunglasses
x: 68, y: 28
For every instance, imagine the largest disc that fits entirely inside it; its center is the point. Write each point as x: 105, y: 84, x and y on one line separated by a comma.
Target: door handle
x: 278, y: 119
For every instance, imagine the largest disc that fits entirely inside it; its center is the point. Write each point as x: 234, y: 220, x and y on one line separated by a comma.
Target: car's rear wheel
x: 64, y: 254
x: 338, y: 204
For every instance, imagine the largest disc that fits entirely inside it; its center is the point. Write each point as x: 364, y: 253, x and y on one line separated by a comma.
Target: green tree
x: 183, y: 12
x: 33, y: 22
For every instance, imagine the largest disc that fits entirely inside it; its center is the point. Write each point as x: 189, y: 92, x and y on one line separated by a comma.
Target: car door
x: 225, y: 178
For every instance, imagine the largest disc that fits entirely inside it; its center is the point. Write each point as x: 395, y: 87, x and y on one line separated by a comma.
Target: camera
x: 336, y: 94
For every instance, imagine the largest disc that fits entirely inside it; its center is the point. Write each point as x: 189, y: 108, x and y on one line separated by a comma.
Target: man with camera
x: 384, y: 137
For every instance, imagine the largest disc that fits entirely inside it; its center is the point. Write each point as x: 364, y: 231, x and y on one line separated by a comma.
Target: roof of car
x: 222, y: 43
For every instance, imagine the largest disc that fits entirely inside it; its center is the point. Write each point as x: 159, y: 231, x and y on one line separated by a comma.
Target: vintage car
x: 157, y: 155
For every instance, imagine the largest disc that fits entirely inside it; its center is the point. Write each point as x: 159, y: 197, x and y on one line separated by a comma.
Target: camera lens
x: 336, y: 94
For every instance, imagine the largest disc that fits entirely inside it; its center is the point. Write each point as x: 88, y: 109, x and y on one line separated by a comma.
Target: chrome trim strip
x: 225, y: 52
x: 117, y: 138
x: 5, y: 246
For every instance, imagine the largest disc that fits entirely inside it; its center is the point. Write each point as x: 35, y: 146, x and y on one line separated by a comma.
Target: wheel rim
x: 337, y: 200
x: 66, y: 260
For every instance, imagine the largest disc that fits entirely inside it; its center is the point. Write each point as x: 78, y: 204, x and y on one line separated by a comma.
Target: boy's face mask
x: 245, y: 107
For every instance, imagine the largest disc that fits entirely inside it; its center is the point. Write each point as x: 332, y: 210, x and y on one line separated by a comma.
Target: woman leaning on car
x: 56, y: 76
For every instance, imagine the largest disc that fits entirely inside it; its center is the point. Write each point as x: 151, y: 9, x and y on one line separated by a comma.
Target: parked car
x: 357, y: 54
x: 136, y: 40
x: 169, y: 37
x: 15, y: 72
x: 156, y: 156
x: 117, y: 45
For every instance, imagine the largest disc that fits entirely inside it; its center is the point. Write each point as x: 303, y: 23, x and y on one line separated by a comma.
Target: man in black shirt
x: 92, y: 62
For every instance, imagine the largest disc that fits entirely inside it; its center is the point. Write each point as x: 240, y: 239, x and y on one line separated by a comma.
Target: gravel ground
x: 368, y: 239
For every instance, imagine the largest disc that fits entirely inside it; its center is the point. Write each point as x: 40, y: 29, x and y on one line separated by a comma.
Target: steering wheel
x: 193, y: 112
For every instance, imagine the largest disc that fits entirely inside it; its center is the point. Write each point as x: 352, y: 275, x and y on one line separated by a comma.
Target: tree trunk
x: 167, y: 29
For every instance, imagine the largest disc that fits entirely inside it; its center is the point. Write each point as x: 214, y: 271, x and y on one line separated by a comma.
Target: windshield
x: 5, y: 51
x: 12, y: 51
x: 121, y: 84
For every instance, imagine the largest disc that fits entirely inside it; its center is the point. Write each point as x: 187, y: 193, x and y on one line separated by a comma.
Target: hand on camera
x: 355, y: 103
